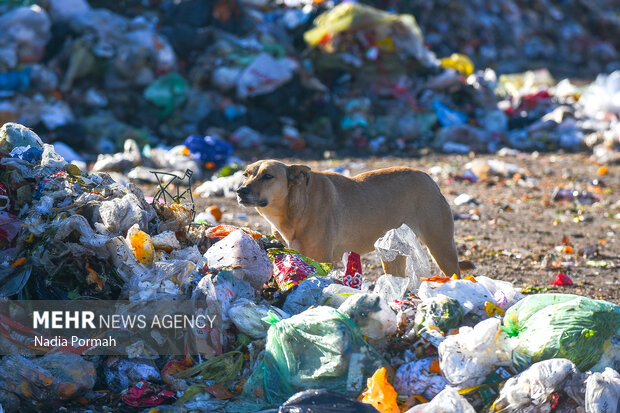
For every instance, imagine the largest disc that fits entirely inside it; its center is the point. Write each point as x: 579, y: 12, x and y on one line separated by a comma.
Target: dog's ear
x: 297, y: 174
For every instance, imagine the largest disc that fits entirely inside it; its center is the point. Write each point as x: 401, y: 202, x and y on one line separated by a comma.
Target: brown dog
x: 325, y: 214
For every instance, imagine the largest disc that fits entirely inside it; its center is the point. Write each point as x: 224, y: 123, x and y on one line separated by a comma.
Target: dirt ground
x: 513, y: 229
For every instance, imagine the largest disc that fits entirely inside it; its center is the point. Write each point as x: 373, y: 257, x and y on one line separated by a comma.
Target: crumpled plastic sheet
x: 602, y: 391
x: 336, y: 294
x: 371, y: 313
x: 88, y: 237
x: 415, y: 378
x: 51, y: 163
x: 120, y: 214
x: 531, y: 390
x: 248, y: 316
x: 120, y: 162
x: 471, y: 295
x: 403, y: 241
x: 449, y: 400
x: 238, y: 249
x: 391, y: 288
x: 307, y: 294
x: 219, y: 292
x: 467, y: 358
x: 157, y: 281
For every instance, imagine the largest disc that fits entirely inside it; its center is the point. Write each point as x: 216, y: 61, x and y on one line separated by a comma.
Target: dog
x: 325, y: 214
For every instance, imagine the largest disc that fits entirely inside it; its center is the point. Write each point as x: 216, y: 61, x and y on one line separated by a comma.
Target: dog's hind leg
x: 396, y: 267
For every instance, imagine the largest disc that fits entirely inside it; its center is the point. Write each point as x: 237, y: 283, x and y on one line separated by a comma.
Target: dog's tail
x: 466, y: 266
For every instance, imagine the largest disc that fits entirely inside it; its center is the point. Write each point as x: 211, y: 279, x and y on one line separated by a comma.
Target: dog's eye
x: 267, y: 176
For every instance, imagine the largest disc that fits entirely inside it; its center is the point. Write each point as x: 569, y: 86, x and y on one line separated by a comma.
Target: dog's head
x: 270, y: 181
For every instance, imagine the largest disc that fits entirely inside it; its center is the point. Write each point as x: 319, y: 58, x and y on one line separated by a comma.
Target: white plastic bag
x: 391, y: 288
x: 238, y: 249
x: 264, y: 75
x: 504, y: 293
x: 603, y: 392
x: 531, y: 391
x: 449, y: 400
x: 336, y: 294
x: 307, y: 294
x: 403, y: 241
x: 371, y: 314
x: 467, y: 358
x: 248, y: 316
x: 471, y: 295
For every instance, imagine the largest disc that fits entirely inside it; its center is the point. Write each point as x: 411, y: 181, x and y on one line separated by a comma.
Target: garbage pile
x: 300, y: 75
x: 295, y: 334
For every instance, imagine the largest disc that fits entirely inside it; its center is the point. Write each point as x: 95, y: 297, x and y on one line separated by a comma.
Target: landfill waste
x: 441, y: 312
x: 533, y: 389
x: 372, y: 314
x: 602, y: 391
x: 574, y: 327
x: 449, y: 400
x: 96, y: 95
x: 320, y: 347
x: 467, y: 358
x: 35, y: 384
x: 420, y: 377
x: 323, y: 401
x: 402, y: 243
x: 380, y: 393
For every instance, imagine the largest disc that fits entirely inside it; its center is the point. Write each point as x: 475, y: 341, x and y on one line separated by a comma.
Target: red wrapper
x: 141, y: 395
x: 353, y: 270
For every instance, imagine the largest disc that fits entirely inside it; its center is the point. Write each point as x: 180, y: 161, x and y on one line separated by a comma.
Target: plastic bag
x: 335, y: 294
x: 403, y: 241
x: 120, y: 214
x: 391, y: 288
x: 248, y: 317
x: 167, y: 93
x: 471, y: 295
x: 371, y: 314
x: 380, y: 393
x: 440, y: 311
x: 323, y: 401
x: 140, y: 244
x: 603, y: 392
x: 468, y: 357
x: 562, y: 326
x: 290, y: 267
x: 218, y: 292
x: 264, y: 75
x: 238, y: 250
x: 532, y: 390
x: 449, y: 400
x: 503, y: 292
x: 416, y: 378
x: 13, y: 135
x: 307, y: 294
x: 320, y: 347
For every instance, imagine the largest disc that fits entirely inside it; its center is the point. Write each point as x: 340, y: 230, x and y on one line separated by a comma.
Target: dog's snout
x: 243, y: 190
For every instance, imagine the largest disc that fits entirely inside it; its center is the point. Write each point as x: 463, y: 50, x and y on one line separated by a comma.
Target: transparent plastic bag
x: 531, y: 391
x: 403, y: 241
x: 238, y: 250
x: 319, y: 348
x: 468, y: 357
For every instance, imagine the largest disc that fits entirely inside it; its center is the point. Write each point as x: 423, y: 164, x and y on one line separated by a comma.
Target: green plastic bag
x: 319, y: 348
x: 562, y: 326
x: 167, y: 93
